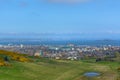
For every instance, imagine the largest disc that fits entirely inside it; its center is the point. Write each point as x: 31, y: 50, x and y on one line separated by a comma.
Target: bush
x: 7, y: 56
x: 3, y: 63
x: 118, y: 69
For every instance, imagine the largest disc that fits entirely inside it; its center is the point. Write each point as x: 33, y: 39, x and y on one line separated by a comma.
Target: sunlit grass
x: 58, y: 70
x: 49, y: 69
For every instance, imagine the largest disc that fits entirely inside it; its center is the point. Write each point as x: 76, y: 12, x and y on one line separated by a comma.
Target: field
x: 44, y: 69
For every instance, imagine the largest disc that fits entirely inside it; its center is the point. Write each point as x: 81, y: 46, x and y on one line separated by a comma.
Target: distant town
x: 67, y: 52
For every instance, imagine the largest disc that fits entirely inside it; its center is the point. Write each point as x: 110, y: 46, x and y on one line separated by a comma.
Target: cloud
x: 68, y: 1
x: 23, y: 4
x: 113, y: 32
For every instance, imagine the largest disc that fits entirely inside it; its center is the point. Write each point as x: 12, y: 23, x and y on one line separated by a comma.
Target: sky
x: 81, y: 18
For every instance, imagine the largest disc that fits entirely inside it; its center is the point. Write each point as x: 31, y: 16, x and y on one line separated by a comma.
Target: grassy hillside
x: 44, y: 69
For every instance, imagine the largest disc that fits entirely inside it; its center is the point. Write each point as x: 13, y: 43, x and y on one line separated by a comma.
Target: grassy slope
x: 59, y: 70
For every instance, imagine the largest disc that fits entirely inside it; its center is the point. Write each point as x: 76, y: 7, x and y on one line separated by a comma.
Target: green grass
x: 44, y: 69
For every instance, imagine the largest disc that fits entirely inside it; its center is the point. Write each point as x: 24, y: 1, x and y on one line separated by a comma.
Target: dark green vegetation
x: 46, y: 69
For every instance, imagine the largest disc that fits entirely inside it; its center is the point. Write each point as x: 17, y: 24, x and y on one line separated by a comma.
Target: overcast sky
x: 85, y: 17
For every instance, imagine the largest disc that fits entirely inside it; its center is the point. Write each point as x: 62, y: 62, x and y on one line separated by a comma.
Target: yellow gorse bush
x: 2, y: 63
x: 14, y: 56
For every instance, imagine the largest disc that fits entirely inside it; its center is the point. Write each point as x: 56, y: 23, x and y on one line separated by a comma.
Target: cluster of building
x: 69, y: 52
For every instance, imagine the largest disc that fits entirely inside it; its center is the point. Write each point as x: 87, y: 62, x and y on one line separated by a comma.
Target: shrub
x: 14, y: 56
x: 3, y: 63
x: 118, y: 69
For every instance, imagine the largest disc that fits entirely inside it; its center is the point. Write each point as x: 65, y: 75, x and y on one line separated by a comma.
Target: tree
x: 6, y: 58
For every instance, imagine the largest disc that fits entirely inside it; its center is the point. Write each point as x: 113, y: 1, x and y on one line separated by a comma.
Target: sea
x: 59, y: 42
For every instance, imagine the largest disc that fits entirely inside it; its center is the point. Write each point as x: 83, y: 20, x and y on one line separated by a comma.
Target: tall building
x: 41, y: 53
